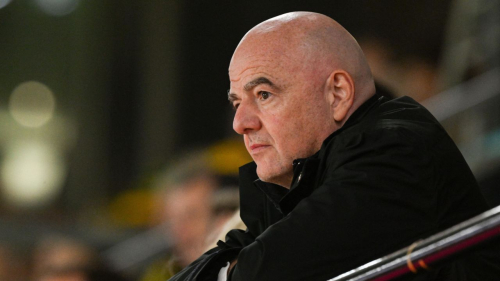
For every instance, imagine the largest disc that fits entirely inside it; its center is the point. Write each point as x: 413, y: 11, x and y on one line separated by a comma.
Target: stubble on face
x: 288, y: 126
x: 267, y: 142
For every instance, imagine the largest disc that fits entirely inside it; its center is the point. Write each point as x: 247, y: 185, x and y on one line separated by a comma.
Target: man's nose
x: 246, y: 119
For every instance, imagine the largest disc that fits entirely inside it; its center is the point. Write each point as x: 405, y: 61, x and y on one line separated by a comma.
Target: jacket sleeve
x: 381, y: 192
x: 207, y: 266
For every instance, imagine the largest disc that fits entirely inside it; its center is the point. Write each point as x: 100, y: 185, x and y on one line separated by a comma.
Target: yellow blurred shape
x: 226, y: 156
x: 133, y: 208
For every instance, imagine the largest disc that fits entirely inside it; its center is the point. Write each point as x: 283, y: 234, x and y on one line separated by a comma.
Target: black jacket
x: 389, y: 177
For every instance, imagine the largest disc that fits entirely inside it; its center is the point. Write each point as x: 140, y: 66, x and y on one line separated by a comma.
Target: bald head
x: 316, y: 43
x: 295, y: 79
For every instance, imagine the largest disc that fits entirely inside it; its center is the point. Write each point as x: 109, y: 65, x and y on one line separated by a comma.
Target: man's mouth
x: 254, y: 148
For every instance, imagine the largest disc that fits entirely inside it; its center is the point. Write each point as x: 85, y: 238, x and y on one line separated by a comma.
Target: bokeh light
x: 32, y: 174
x: 32, y: 104
x: 4, y: 3
x: 57, y: 7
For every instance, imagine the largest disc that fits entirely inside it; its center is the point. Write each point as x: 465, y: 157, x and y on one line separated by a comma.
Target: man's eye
x: 264, y: 95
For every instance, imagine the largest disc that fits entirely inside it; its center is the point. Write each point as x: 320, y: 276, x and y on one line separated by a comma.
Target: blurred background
x: 104, y: 103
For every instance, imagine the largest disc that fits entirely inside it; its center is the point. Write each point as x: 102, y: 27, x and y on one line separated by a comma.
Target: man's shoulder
x: 400, y: 119
x: 403, y: 112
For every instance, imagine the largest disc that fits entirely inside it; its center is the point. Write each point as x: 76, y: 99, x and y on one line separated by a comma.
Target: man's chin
x: 267, y: 175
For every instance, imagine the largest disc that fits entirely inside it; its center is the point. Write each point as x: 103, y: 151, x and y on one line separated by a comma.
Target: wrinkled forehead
x: 244, y: 64
x: 265, y: 51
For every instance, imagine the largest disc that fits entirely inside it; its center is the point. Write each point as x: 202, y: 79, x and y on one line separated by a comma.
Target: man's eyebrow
x: 250, y: 85
x: 257, y: 81
x: 231, y: 96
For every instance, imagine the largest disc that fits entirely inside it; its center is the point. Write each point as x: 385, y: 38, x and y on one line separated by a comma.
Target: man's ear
x: 340, y: 94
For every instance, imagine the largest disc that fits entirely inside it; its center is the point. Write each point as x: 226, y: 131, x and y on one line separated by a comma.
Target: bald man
x: 341, y: 176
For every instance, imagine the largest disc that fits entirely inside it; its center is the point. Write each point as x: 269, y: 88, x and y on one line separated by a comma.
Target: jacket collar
x: 358, y: 115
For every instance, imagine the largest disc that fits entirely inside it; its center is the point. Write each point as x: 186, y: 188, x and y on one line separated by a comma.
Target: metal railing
x: 423, y: 254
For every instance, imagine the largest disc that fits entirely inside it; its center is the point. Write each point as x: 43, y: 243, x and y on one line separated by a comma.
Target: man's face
x: 281, y: 108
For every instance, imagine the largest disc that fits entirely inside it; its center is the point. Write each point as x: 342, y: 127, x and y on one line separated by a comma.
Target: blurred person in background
x: 198, y: 195
x: 188, y: 212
